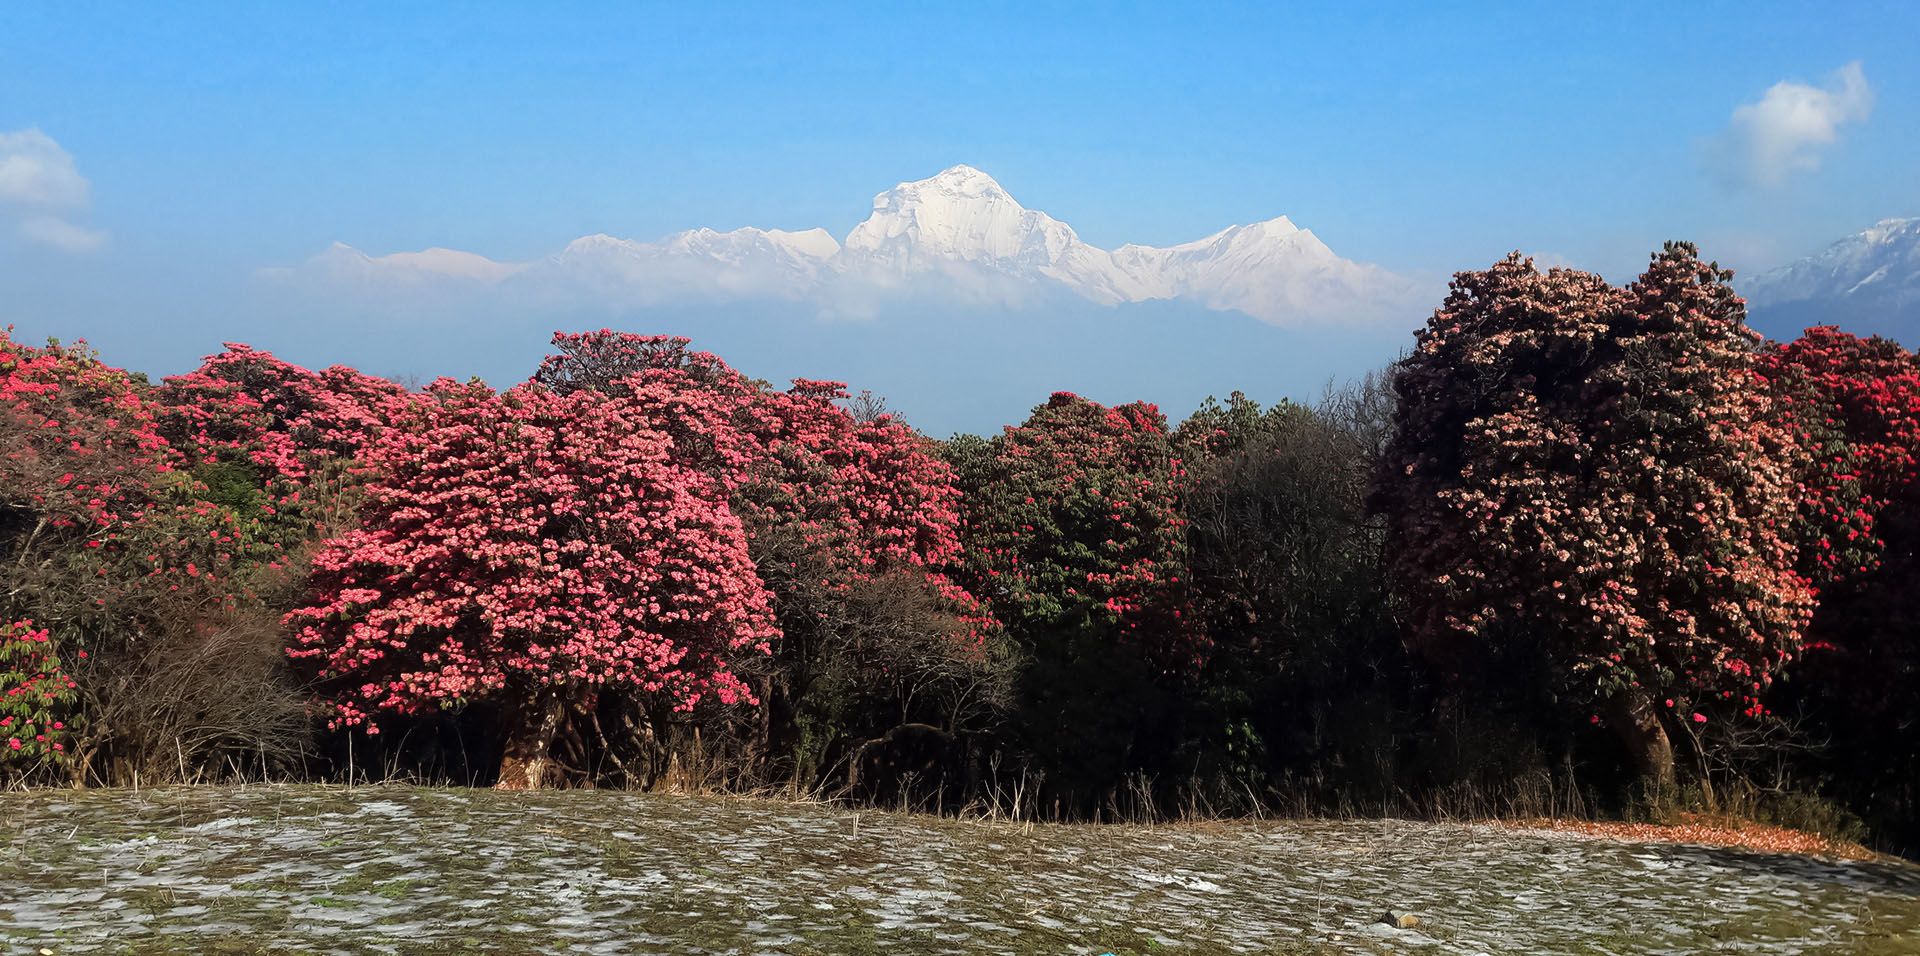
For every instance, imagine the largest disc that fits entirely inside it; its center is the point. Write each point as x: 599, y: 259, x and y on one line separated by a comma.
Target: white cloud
x: 61, y: 234
x: 35, y: 170
x: 37, y: 175
x: 1785, y: 131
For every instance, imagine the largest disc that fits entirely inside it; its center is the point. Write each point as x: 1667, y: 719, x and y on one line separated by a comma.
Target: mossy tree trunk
x: 526, y: 762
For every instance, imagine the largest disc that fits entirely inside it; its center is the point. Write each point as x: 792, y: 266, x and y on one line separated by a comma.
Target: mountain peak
x: 432, y: 261
x: 961, y: 180
x: 1869, y: 281
x: 1888, y: 230
x: 961, y: 214
x: 1277, y: 227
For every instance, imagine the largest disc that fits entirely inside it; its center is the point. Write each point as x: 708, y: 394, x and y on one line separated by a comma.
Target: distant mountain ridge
x: 1868, y: 282
x: 956, y: 231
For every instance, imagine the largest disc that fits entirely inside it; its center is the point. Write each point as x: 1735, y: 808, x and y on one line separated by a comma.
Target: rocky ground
x: 417, y: 871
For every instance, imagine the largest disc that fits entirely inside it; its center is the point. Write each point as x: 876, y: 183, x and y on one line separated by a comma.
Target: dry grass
x: 1704, y: 830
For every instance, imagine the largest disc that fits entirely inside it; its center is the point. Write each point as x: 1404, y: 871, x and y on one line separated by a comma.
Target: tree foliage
x: 1075, y: 516
x: 110, y: 546
x: 839, y: 510
x: 1856, y: 403
x: 1305, y: 672
x: 1075, y: 538
x: 1575, y: 505
x: 277, y: 443
x: 535, y: 548
x: 1594, y: 469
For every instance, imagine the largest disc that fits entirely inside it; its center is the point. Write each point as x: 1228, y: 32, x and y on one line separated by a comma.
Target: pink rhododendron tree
x: 81, y: 448
x: 276, y: 440
x: 852, y: 524
x: 863, y: 497
x: 537, y: 550
x: 1594, y: 469
x: 1856, y: 405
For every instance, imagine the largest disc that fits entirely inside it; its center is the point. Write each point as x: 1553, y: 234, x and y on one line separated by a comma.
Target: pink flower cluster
x: 596, y: 529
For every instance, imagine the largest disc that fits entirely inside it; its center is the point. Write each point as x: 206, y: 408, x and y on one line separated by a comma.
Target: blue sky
x: 216, y: 142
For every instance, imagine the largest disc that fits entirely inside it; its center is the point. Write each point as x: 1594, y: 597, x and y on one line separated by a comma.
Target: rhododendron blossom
x: 277, y: 441
x: 1853, y: 404
x: 85, y: 456
x: 36, y: 698
x: 283, y: 418
x: 597, y: 531
x: 857, y: 498
x: 531, y: 545
x: 1075, y: 515
x: 1594, y: 468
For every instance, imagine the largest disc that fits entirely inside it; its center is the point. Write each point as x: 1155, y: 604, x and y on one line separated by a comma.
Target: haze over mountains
x: 958, y: 234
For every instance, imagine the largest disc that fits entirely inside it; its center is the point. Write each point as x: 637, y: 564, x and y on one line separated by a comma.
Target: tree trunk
x: 528, y: 755
x: 762, y: 762
x: 857, y: 757
x: 1637, y: 722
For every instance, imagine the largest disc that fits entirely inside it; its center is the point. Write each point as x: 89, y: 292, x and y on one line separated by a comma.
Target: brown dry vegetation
x: 1705, y: 830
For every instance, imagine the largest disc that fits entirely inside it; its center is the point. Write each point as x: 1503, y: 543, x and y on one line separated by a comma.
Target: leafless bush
x: 193, y: 701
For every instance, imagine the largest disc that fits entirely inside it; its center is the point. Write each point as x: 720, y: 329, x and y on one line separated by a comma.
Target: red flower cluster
x: 1075, y: 516
x: 531, y: 540
x: 276, y: 441
x: 1853, y: 404
x: 81, y: 444
x: 283, y: 418
x: 856, y: 498
x: 36, y: 698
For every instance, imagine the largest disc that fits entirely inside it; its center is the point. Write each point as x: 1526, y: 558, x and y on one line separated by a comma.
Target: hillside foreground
x: 310, y: 869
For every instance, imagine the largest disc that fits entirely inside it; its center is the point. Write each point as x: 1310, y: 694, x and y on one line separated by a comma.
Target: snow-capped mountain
x: 963, y: 216
x: 1869, y: 281
x: 957, y: 231
x: 1268, y: 270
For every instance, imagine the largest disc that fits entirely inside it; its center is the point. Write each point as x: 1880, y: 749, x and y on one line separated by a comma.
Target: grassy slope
x: 411, y: 871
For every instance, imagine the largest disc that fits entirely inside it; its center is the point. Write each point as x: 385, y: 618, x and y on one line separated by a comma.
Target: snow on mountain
x: 1881, y: 261
x: 1270, y: 270
x: 803, y: 250
x: 1869, y: 281
x: 963, y: 216
x: 955, y: 231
